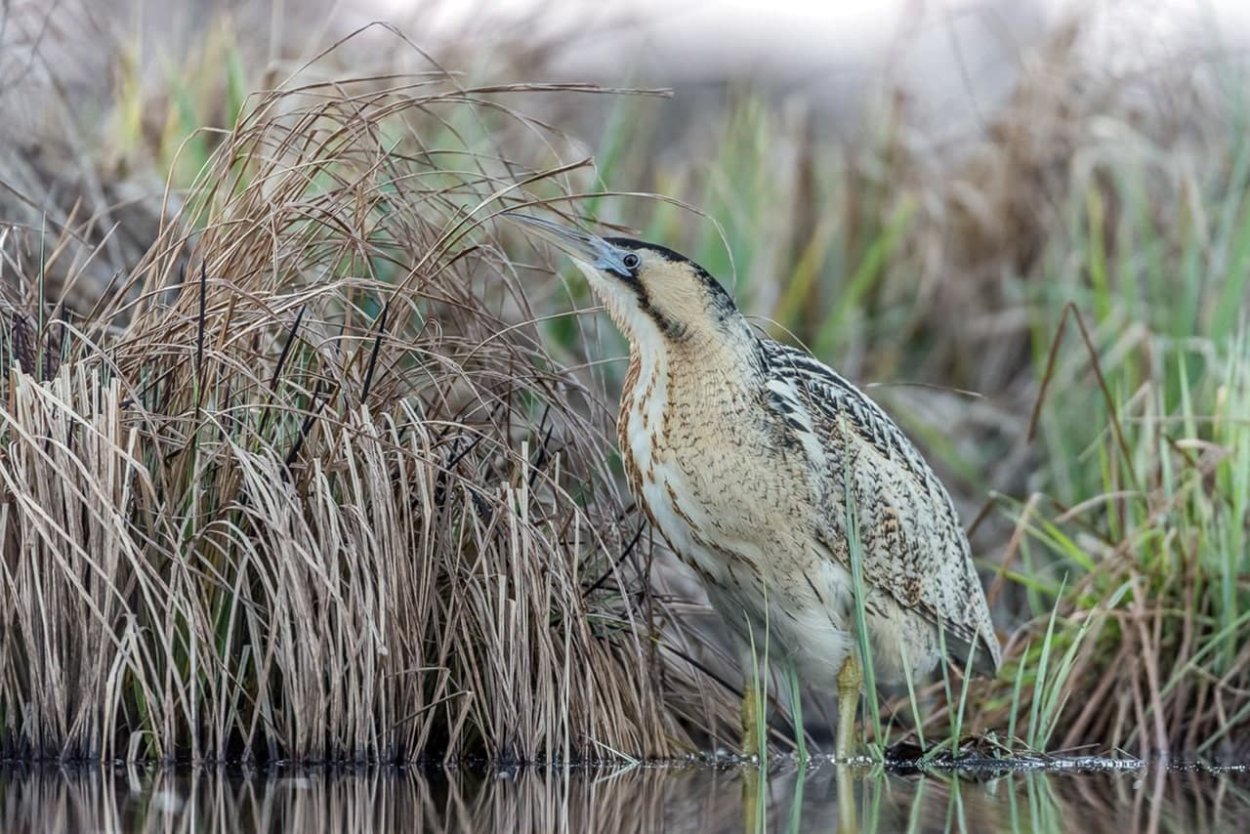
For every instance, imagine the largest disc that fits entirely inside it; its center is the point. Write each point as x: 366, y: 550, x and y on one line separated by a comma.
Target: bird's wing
x: 911, y: 542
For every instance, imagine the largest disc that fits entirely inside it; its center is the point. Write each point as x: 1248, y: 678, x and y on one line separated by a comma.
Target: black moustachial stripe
x: 674, y: 330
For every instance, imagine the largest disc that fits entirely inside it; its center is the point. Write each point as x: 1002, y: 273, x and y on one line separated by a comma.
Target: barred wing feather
x: 912, y: 543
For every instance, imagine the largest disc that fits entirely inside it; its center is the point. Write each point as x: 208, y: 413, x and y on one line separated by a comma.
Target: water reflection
x: 635, y: 801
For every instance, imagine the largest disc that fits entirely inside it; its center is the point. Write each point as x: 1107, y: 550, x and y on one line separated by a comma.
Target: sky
x: 716, y: 34
x: 956, y: 59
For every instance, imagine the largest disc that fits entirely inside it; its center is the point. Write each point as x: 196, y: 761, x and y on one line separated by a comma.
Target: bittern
x: 752, y: 459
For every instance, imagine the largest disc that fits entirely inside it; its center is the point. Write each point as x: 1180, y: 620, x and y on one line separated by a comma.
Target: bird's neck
x: 687, y: 369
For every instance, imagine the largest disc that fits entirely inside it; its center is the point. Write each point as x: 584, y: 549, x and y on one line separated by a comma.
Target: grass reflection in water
x: 622, y: 801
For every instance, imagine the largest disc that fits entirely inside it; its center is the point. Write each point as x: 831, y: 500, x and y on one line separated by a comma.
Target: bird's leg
x: 750, y: 720
x: 850, y: 678
x: 754, y: 697
x: 848, y: 816
x: 754, y: 799
x: 754, y: 745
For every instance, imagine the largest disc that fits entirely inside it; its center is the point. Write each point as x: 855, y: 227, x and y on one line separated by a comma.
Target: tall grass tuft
x: 308, y: 486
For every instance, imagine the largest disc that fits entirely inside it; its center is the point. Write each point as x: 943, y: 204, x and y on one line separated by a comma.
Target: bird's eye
x: 631, y: 261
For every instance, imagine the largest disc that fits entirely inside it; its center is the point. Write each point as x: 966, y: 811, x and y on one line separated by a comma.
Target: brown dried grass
x: 308, y: 486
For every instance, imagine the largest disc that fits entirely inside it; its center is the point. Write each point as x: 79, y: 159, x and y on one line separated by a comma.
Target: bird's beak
x: 591, y: 250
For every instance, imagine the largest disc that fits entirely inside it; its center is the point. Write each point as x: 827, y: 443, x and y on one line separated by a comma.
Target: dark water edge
x: 638, y: 800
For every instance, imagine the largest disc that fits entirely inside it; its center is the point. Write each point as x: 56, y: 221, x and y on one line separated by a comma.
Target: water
x: 670, y: 799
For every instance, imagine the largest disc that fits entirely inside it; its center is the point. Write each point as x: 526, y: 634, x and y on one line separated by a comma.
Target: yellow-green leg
x: 754, y: 799
x: 754, y: 779
x: 848, y: 814
x: 750, y: 721
x: 850, y: 679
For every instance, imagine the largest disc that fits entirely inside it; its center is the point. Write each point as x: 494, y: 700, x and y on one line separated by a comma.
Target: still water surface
x: 638, y: 801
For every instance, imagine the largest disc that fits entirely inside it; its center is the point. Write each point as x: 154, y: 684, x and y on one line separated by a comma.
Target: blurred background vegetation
x: 1026, y: 232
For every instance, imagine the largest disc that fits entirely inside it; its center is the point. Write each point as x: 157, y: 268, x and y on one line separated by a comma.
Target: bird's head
x: 649, y: 291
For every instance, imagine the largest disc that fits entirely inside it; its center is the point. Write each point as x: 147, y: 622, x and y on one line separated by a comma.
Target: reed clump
x: 307, y: 484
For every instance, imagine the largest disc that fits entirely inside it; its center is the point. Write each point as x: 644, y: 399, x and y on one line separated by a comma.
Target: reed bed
x: 307, y: 485
x: 327, y: 473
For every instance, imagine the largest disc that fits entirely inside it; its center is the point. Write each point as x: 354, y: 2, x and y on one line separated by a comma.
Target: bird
x: 777, y: 481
